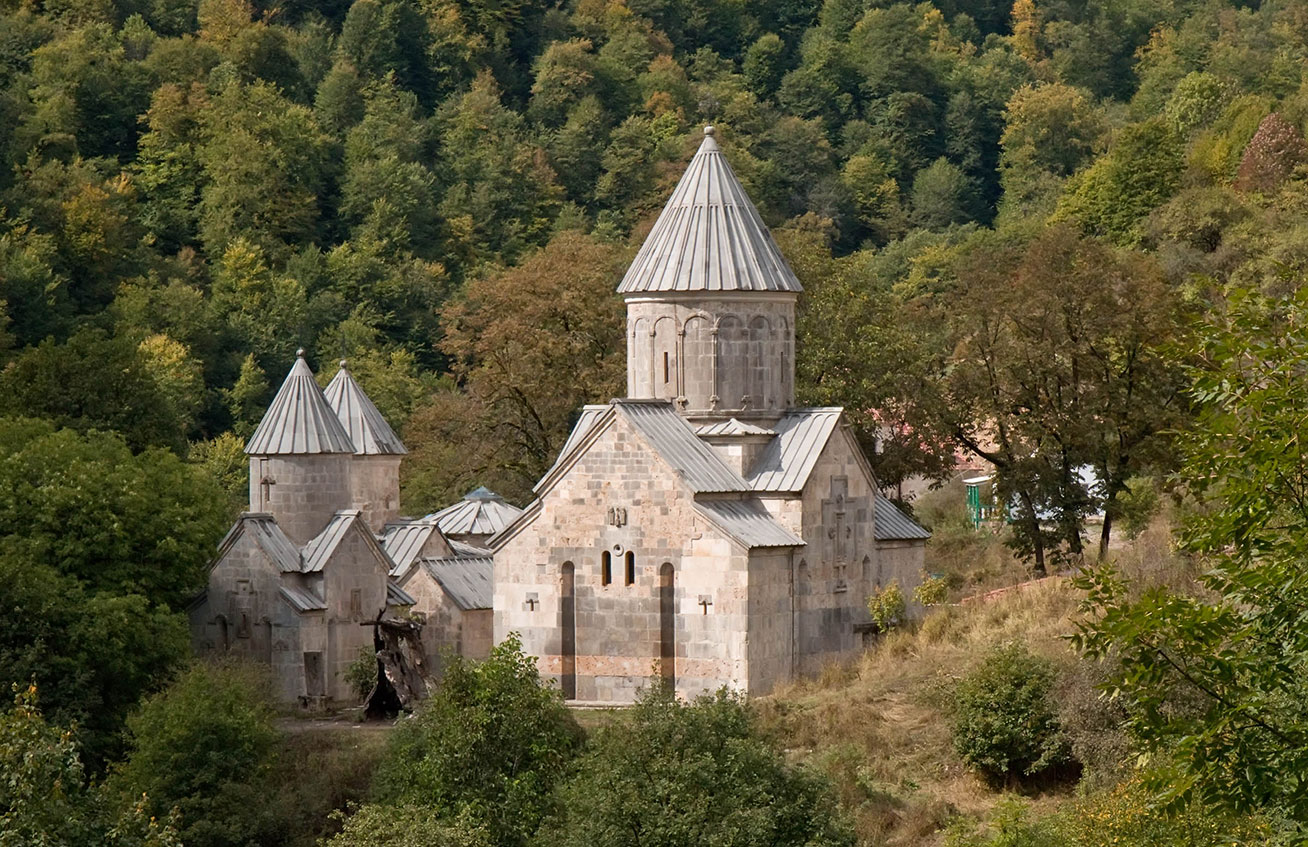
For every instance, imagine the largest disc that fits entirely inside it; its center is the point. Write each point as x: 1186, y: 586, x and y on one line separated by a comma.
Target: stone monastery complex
x: 704, y: 529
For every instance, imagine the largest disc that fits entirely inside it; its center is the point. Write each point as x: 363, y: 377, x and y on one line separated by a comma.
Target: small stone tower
x: 375, y: 469
x: 711, y: 302
x: 300, y: 458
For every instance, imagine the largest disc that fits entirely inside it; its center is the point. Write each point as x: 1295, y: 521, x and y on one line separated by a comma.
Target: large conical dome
x: 371, y: 435
x: 709, y: 237
x: 299, y: 421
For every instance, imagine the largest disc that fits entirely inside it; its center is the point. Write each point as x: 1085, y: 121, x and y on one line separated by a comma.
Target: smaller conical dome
x: 299, y: 421
x: 371, y: 435
x: 709, y: 237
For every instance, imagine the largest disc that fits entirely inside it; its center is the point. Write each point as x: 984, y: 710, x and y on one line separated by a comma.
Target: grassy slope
x: 879, y: 727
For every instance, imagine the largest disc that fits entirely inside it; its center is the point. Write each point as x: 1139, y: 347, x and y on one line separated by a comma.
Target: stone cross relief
x: 840, y: 543
x: 705, y: 601
x: 265, y: 482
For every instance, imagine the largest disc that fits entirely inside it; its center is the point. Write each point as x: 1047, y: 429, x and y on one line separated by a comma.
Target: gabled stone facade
x: 298, y: 578
x: 706, y: 530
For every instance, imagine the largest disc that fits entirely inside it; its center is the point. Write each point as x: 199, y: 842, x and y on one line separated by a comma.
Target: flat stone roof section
x: 709, y: 237
x: 299, y: 421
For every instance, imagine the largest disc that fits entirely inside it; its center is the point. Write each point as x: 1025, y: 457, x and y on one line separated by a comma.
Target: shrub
x: 361, y: 674
x: 44, y: 797
x: 205, y: 746
x: 403, y: 826
x: 1138, y: 504
x: 1128, y: 816
x: 488, y: 746
x: 698, y: 773
x: 1011, y: 825
x: 932, y: 591
x: 1005, y: 723
x: 886, y: 606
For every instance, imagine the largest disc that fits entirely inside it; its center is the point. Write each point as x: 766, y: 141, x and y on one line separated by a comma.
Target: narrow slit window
x: 631, y: 568
x: 667, y: 372
x: 606, y: 568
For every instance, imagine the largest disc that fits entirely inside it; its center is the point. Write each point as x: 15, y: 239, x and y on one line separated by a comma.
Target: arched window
x: 667, y: 625
x: 606, y: 568
x: 568, y: 625
x: 631, y: 568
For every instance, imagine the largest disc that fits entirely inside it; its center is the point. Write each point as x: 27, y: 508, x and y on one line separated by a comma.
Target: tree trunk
x: 1037, y: 537
x: 1105, y: 533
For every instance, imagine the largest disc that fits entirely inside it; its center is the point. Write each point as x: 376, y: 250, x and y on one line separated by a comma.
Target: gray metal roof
x: 749, y: 522
x: 269, y: 537
x: 396, y: 596
x: 731, y: 427
x: 463, y: 548
x: 299, y: 421
x: 891, y: 524
x: 785, y: 464
x: 480, y: 512
x: 367, y: 429
x: 302, y: 600
x: 673, y: 439
x: 709, y: 237
x: 322, y: 546
x: 469, y: 581
x: 404, y: 541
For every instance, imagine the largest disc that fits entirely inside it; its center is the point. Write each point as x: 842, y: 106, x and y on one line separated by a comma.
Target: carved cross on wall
x: 705, y: 601
x: 266, y: 483
x: 532, y: 601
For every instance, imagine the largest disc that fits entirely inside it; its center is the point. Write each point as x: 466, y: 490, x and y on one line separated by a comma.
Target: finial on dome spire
x: 343, y: 364
x: 709, y: 130
x: 299, y: 354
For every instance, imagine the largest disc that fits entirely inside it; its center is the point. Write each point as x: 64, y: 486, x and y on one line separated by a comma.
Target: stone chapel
x: 704, y: 529
x: 322, y: 550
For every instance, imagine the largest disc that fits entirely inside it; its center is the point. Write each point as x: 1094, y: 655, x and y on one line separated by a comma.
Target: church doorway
x: 667, y: 625
x: 568, y: 629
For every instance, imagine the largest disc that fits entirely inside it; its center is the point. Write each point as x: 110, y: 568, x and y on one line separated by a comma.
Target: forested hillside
x: 1059, y: 234
x: 189, y: 193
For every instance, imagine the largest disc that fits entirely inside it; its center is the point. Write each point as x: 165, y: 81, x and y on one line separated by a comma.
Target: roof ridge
x: 299, y: 420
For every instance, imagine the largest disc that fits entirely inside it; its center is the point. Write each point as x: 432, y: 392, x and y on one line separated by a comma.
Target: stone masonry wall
x: 375, y: 488
x: 619, y: 498
x: 244, y: 615
x: 354, y: 587
x: 302, y: 492
x: 724, y: 355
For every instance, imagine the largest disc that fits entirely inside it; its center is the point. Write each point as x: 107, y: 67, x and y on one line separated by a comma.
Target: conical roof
x: 709, y: 237
x: 299, y: 421
x: 480, y: 512
x: 371, y: 435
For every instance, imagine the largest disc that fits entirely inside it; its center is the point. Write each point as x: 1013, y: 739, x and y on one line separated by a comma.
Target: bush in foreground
x: 1005, y: 723
x: 487, y: 748
x: 205, y: 746
x: 673, y: 774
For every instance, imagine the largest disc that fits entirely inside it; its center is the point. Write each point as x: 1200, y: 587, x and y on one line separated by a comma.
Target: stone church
x: 322, y: 551
x: 705, y: 528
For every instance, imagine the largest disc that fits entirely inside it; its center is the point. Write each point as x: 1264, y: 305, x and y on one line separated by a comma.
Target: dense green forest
x: 1056, y: 234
